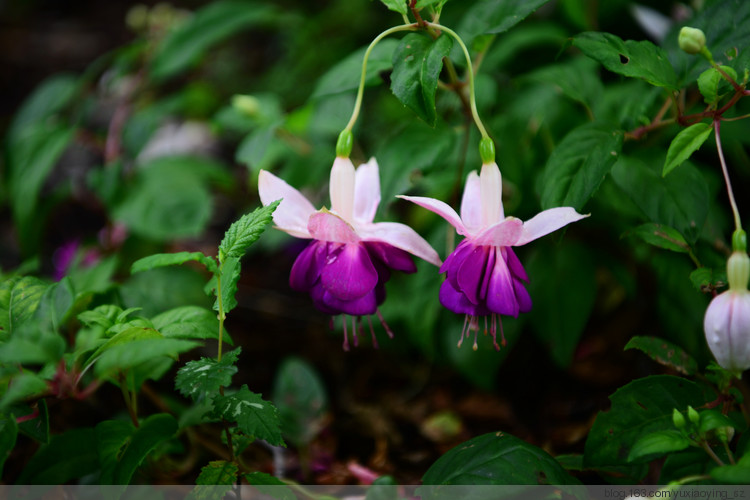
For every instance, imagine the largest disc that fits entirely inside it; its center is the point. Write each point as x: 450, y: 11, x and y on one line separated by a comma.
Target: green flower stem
x: 711, y: 453
x: 363, y: 77
x: 221, y: 310
x: 725, y: 171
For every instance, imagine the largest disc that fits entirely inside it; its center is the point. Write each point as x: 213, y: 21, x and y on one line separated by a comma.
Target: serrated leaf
x: 709, y: 81
x: 8, y: 435
x: 661, y: 236
x: 665, y: 352
x: 417, y: 62
x: 215, y: 480
x: 217, y: 21
x: 189, y: 322
x: 246, y: 231
x: 706, y: 279
x: 630, y: 58
x: 201, y: 379
x: 269, y: 485
x: 172, y: 259
x: 579, y: 164
x: 104, y: 316
x: 657, y: 444
x: 679, y: 200
x: 300, y: 397
x: 63, y: 459
x: 230, y: 276
x: 254, y: 416
x: 639, y: 408
x: 396, y: 6
x: 495, y: 16
x: 687, y: 142
x: 494, y: 459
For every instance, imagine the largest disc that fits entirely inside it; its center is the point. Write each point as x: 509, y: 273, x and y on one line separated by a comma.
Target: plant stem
x: 711, y: 452
x: 128, y: 400
x: 221, y: 310
x: 725, y: 171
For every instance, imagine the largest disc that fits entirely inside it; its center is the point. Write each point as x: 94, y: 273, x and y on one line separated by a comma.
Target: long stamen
x: 372, y: 333
x: 354, y: 332
x: 346, y: 337
x: 382, y: 322
x: 463, y: 331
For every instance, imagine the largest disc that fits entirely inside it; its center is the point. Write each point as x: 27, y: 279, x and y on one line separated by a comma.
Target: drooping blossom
x: 727, y: 320
x: 346, y: 265
x: 484, y: 278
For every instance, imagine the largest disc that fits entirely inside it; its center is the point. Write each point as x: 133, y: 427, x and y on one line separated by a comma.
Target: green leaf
x: 709, y: 81
x: 63, y: 459
x: 493, y: 459
x: 19, y: 299
x: 246, y: 231
x: 126, y: 336
x: 255, y: 146
x: 8, y: 435
x: 713, y: 419
x: 399, y: 6
x: 731, y: 474
x: 383, y: 488
x: 215, y: 480
x: 230, y: 276
x: 183, y: 47
x: 23, y: 386
x: 417, y: 62
x: 679, y: 201
x: 707, y: 279
x: 665, y: 353
x: 639, y: 408
x: 657, y: 444
x: 38, y: 427
x: 254, y: 416
x: 687, y: 142
x: 300, y: 397
x: 202, y: 379
x: 269, y: 485
x: 495, y: 16
x: 579, y: 164
x: 629, y: 58
x: 172, y: 259
x: 661, y: 236
x: 345, y: 76
x: 122, y: 447
x: 105, y: 316
x: 562, y: 317
x: 577, y: 79
x: 55, y: 304
x: 50, y: 97
x: 189, y: 322
x: 128, y: 355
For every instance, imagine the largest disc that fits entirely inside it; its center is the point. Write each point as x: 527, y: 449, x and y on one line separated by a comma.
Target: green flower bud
x: 694, y: 416
x: 691, y: 40
x: 487, y: 150
x: 247, y: 104
x: 678, y: 419
x: 344, y: 144
x: 738, y: 271
x: 725, y: 434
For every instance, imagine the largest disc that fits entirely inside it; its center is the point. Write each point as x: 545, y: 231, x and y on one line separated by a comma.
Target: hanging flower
x: 727, y: 320
x: 346, y: 265
x: 484, y: 278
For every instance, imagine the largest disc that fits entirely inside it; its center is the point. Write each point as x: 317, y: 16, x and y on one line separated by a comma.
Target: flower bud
x: 693, y: 415
x: 246, y: 104
x: 678, y: 419
x: 738, y: 271
x: 691, y: 40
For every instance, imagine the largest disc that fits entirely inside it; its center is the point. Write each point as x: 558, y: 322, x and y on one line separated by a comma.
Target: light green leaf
x: 124, y: 356
x: 246, y: 231
x: 665, y: 352
x: 657, y: 444
x: 399, y: 6
x: 687, y: 142
x: 629, y: 58
x: 254, y: 416
x: 230, y: 276
x: 172, y: 259
x: 579, y: 164
x: 661, y: 236
x: 416, y: 67
x: 23, y: 386
x: 47, y: 99
x: 189, y: 322
x: 202, y: 379
x: 19, y: 299
x: 105, y: 316
x: 709, y: 81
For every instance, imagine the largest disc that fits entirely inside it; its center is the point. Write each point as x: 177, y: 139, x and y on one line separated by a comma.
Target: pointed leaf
x: 202, y: 379
x: 399, y: 6
x: 344, y: 76
x: 629, y: 58
x: 579, y: 164
x: 128, y: 355
x: 495, y: 16
x: 172, y: 259
x: 254, y: 416
x: 662, y: 236
x: 657, y: 444
x: 189, y: 322
x: 416, y: 67
x: 230, y: 276
x: 20, y: 299
x: 246, y: 231
x: 22, y: 386
x: 705, y: 279
x: 215, y: 480
x: 105, y: 316
x: 687, y: 142
x: 666, y: 353
x: 710, y: 81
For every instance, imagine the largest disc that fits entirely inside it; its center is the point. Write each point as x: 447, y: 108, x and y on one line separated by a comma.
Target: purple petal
x: 501, y: 295
x: 393, y: 257
x: 349, y: 273
x: 471, y: 273
x: 515, y: 266
x: 457, y: 302
x: 308, y: 265
x: 293, y: 211
x: 547, y: 222
x: 522, y: 296
x: 366, y: 191
x: 492, y: 255
x: 326, y: 302
x: 325, y: 226
x: 454, y: 261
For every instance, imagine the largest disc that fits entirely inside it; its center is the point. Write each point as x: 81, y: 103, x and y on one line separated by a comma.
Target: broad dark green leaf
x: 22, y: 386
x: 165, y: 288
x: 679, y: 200
x: 713, y: 419
x: 665, y: 352
x: 630, y: 58
x: 269, y: 485
x: 254, y: 416
x: 687, y: 142
x: 661, y: 236
x: 493, y: 459
x: 417, y: 62
x: 399, y: 6
x: 124, y: 356
x: 562, y: 317
x: 577, y: 79
x: 495, y: 16
x: 172, y: 259
x: 215, y: 480
x: 732, y: 474
x: 639, y: 408
x: 217, y: 21
x: 8, y: 435
x: 189, y: 322
x: 63, y: 459
x: 37, y: 428
x: 579, y: 164
x: 345, y: 76
x: 300, y: 397
x: 245, y: 231
x: 657, y: 444
x: 711, y: 81
x: 202, y: 379
x: 705, y: 278
x: 125, y: 336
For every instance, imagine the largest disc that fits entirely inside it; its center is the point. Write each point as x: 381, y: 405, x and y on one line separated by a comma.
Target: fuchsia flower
x: 483, y: 275
x: 348, y: 261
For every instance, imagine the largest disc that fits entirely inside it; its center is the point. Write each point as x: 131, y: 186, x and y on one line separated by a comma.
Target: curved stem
x: 363, y: 77
x: 469, y: 75
x: 732, y: 202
